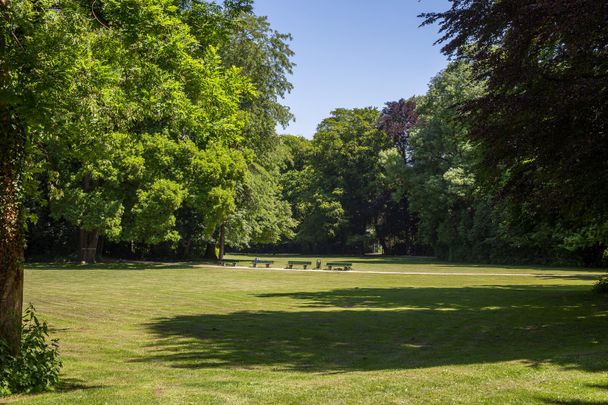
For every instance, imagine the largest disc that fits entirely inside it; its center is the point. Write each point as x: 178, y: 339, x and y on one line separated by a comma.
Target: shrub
x: 36, y: 367
x: 602, y: 286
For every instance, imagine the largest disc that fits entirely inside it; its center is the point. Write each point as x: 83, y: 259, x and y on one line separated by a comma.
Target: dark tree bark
x: 88, y: 238
x: 88, y: 245
x: 12, y: 157
x: 210, y: 251
x: 100, y: 246
x: 222, y: 241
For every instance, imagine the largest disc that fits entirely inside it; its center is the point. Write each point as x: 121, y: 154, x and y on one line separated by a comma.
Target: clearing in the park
x: 136, y: 333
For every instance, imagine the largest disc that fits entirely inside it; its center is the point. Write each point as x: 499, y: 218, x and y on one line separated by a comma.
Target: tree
x: 263, y: 57
x: 79, y: 81
x: 456, y: 215
x: 541, y: 125
x: 397, y: 225
x: 42, y: 45
x: 155, y: 140
x: 344, y: 181
x: 129, y: 123
x: 398, y: 118
x: 262, y: 216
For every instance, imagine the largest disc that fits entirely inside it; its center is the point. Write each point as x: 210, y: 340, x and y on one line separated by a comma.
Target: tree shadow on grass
x: 395, y: 328
x: 74, y: 384
x: 581, y: 277
x: 553, y: 401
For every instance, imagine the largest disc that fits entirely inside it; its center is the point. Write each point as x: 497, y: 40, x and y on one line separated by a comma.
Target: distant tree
x: 261, y: 216
x: 344, y: 180
x: 398, y: 118
x: 297, y: 183
x: 542, y: 123
x: 264, y: 56
x: 396, y: 225
x: 443, y: 187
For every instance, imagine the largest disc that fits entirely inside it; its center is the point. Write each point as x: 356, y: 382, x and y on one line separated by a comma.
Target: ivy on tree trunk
x: 12, y: 154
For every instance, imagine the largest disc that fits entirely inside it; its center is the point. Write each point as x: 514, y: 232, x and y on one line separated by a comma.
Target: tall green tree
x: 344, y: 181
x: 135, y: 116
x: 175, y: 127
x: 42, y: 45
x: 443, y: 186
x: 541, y: 125
x: 263, y: 56
x: 397, y: 225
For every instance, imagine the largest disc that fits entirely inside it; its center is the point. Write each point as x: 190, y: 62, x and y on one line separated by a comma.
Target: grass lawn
x: 138, y: 333
x: 417, y: 264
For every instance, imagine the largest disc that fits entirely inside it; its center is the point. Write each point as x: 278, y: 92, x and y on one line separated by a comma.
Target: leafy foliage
x: 601, y: 287
x: 170, y: 95
x: 36, y: 367
x: 541, y: 124
x: 338, y: 190
x: 397, y: 120
x: 159, y: 131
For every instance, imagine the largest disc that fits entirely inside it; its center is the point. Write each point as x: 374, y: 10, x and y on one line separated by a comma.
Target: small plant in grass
x: 602, y: 286
x: 36, y: 367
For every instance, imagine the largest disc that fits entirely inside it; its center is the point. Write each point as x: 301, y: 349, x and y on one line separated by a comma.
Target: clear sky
x: 354, y: 53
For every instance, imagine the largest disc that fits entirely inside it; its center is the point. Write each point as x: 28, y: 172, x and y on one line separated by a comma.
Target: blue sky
x: 354, y: 53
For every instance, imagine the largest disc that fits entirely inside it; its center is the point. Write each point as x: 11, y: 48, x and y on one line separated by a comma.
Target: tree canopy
x: 541, y: 124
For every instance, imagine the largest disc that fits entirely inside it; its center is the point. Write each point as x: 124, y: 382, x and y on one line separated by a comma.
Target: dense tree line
x: 541, y: 124
x: 434, y: 174
x: 504, y: 159
x: 176, y: 177
x: 414, y: 179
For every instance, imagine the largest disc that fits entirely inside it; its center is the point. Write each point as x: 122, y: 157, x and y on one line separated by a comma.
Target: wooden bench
x: 266, y: 262
x: 229, y: 262
x: 292, y: 263
x: 344, y: 265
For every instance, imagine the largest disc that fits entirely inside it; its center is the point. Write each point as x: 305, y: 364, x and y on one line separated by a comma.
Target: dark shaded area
x: 396, y: 328
x: 379, y: 260
x: 572, y: 401
x: 74, y: 384
x: 425, y: 260
x: 582, y: 277
x: 116, y: 266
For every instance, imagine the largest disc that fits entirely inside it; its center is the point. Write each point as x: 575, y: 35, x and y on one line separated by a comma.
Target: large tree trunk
x: 88, y: 245
x: 100, y: 246
x: 12, y: 159
x: 210, y: 251
x: 88, y: 238
x: 222, y: 241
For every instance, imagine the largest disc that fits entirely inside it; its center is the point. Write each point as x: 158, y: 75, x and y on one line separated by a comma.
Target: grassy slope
x: 132, y: 334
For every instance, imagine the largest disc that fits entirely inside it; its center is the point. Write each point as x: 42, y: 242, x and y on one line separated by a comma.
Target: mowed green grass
x: 143, y: 333
x: 414, y: 264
